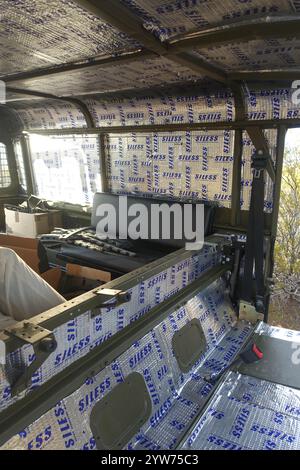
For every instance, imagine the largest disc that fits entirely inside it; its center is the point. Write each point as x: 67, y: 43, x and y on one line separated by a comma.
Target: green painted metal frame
x: 39, y: 401
x: 179, y: 50
x: 91, y: 300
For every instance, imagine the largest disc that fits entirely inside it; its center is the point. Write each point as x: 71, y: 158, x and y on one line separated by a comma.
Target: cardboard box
x: 27, y: 225
x: 26, y: 248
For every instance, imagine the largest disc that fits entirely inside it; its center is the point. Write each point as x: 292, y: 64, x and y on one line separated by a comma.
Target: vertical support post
x: 236, y: 178
x: 240, y: 115
x: 103, y: 166
x: 31, y: 187
x: 274, y: 220
x: 278, y: 176
x: 12, y: 164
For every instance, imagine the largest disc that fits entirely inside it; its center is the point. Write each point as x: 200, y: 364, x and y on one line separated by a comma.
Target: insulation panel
x: 52, y: 114
x: 199, y: 106
x: 78, y: 336
x: 192, y: 164
x: 176, y: 397
x: 255, y: 55
x: 196, y: 164
x: 249, y: 414
x: 168, y: 18
x: 144, y: 73
x: 54, y: 32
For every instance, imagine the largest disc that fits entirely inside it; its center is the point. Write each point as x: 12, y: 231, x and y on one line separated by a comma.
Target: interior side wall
x: 181, y: 163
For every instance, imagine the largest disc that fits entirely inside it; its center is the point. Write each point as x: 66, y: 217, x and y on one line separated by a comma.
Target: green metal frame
x: 28, y: 409
x: 180, y: 50
x: 91, y: 300
x: 39, y: 401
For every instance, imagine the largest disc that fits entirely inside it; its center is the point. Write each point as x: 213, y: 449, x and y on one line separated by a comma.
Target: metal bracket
x: 257, y: 173
x: 43, y: 342
x: 262, y: 161
x: 248, y: 313
x: 28, y: 332
x: 112, y: 298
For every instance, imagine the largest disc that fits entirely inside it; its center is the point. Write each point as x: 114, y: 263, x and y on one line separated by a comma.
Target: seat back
x: 148, y: 202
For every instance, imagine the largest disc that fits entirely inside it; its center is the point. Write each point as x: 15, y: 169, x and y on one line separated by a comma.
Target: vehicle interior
x: 164, y: 102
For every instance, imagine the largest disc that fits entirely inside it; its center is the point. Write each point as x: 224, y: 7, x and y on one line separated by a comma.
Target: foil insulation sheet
x: 166, y: 109
x: 196, y: 164
x: 254, y: 56
x: 169, y: 18
x: 176, y: 397
x: 249, y: 414
x: 135, y: 74
x: 191, y: 164
x: 272, y: 104
x: 51, y: 115
x: 53, y: 32
x: 280, y: 333
x: 79, y: 335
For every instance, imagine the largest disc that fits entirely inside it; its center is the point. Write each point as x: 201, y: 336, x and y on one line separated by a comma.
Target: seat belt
x: 254, y: 289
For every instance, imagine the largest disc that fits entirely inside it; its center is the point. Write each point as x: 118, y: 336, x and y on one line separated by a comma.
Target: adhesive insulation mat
x: 51, y: 115
x: 196, y: 164
x: 254, y: 55
x: 169, y: 18
x: 191, y: 164
x: 249, y: 413
x: 280, y: 333
x: 192, y: 107
x: 135, y: 74
x: 42, y: 33
x: 147, y: 109
x: 176, y: 397
x: 78, y: 336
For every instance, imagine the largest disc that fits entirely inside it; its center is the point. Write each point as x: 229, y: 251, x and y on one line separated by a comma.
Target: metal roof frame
x: 178, y: 49
x: 266, y: 27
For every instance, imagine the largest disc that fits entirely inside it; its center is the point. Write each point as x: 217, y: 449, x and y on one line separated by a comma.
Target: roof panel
x: 98, y: 79
x: 168, y: 18
x: 255, y: 55
x: 41, y: 33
